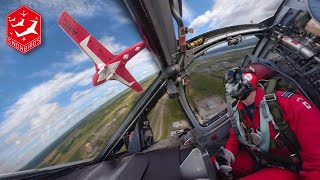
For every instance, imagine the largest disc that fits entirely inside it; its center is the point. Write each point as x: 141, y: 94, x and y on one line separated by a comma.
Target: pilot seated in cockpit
x: 274, y: 134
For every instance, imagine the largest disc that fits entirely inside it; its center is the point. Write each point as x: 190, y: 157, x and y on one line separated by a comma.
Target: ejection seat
x: 266, y: 72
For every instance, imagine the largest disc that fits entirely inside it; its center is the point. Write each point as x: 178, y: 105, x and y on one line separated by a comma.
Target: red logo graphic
x: 23, y: 29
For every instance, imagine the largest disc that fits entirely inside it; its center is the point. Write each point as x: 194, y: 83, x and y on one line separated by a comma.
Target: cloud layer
x: 234, y: 12
x: 187, y: 13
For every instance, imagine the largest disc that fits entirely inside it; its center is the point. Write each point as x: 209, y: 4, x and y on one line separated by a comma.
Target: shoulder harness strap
x: 280, y: 125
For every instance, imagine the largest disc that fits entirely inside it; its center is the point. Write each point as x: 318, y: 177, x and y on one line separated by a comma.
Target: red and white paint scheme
x: 108, y: 66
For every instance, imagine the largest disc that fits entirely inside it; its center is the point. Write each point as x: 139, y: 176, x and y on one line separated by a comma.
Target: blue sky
x: 48, y: 90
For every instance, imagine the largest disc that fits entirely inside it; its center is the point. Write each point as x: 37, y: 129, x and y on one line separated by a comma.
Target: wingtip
x: 137, y: 87
x: 95, y: 79
x: 139, y: 90
x: 62, y: 14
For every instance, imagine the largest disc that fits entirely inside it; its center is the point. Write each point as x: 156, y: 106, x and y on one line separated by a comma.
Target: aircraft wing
x: 96, y: 51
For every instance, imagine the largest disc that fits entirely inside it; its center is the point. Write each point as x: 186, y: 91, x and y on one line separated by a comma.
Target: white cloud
x: 43, y: 73
x: 35, y: 105
x: 3, y: 35
x: 75, y: 96
x: 201, y: 20
x: 46, y: 114
x: 187, y: 13
x: 233, y: 12
x: 77, y: 56
x: 142, y: 62
x: 111, y: 44
x: 36, y: 118
x: 139, y: 60
x: 115, y: 11
x: 74, y: 7
x: 80, y: 8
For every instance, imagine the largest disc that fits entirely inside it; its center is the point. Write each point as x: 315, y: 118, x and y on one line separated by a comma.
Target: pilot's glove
x: 223, y: 161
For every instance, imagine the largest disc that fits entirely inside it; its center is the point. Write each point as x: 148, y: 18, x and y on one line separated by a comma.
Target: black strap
x: 290, y: 163
x: 266, y: 159
x: 285, y: 133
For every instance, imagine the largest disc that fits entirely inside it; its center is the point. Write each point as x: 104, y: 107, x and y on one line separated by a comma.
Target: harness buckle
x: 295, y: 159
x: 270, y: 97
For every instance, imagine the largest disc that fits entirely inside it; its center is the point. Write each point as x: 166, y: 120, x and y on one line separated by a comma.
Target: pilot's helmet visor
x: 230, y: 76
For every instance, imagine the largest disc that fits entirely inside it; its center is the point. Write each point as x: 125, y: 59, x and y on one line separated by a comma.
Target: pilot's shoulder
x: 284, y: 97
x: 296, y: 101
x: 284, y: 94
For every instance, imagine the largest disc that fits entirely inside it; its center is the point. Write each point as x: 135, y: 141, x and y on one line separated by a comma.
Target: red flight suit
x: 303, y: 118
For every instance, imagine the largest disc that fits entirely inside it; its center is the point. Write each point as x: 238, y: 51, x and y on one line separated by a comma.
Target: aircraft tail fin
x: 123, y: 75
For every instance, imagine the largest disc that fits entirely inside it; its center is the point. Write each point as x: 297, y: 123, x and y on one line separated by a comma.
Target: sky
x: 45, y: 92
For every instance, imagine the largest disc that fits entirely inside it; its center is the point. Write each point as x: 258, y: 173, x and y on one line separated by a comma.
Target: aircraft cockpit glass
x: 205, y: 92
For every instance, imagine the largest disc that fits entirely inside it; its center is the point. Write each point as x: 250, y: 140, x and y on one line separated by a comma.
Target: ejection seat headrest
x: 262, y: 71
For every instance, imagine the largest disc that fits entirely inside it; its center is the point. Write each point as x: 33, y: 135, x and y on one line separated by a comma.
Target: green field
x: 163, y: 115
